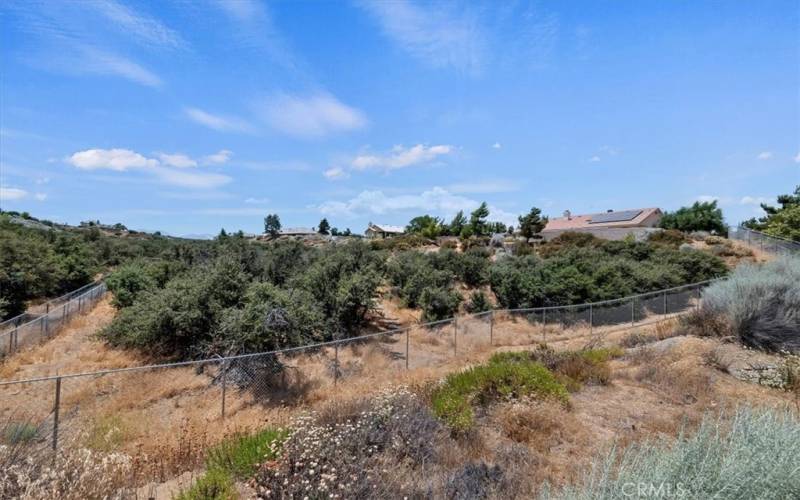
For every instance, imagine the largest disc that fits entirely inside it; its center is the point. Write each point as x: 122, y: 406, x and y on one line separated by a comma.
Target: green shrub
x: 19, y: 432
x: 752, y: 456
x: 215, y: 484
x: 439, y: 303
x: 478, y: 302
x: 669, y: 237
x: 499, y: 379
x: 241, y: 454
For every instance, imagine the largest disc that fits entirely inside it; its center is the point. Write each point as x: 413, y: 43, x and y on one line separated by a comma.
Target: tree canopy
x: 701, y: 216
x: 272, y: 224
x: 532, y: 223
x: 783, y: 221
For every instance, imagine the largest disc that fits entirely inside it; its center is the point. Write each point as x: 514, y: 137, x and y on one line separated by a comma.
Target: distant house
x: 381, y: 231
x: 610, y: 225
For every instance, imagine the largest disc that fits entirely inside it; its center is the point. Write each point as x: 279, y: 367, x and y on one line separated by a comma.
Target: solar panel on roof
x: 621, y: 216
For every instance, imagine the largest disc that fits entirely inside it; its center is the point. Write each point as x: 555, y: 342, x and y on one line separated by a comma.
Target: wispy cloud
x: 256, y: 29
x: 8, y: 193
x: 146, y: 29
x: 218, y: 158
x: 217, y: 122
x: 256, y: 201
x: 754, y: 200
x: 309, y: 116
x: 169, y: 169
x: 401, y: 157
x: 89, y: 38
x: 438, y: 35
x: 336, y: 173
x: 764, y: 155
x: 797, y: 158
x: 496, y: 145
x: 178, y: 160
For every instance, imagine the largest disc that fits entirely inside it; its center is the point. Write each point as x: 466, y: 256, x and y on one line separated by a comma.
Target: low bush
x: 478, y: 302
x: 758, y: 304
x: 240, y: 454
x: 361, y: 450
x: 669, y: 237
x: 439, y: 303
x: 235, y: 458
x: 572, y: 368
x: 752, y: 456
x: 501, y: 378
x: 215, y: 484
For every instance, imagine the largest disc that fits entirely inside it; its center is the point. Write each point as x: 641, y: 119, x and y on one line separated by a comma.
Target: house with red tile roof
x: 610, y: 225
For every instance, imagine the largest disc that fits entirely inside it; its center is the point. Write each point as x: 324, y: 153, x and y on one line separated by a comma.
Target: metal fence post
x: 665, y: 303
x: 407, y: 346
x: 633, y: 311
x: 224, y: 386
x: 56, y: 408
x: 491, y: 328
x: 46, y: 325
x: 455, y: 336
x: 336, y: 364
x: 544, y: 325
x: 591, y: 319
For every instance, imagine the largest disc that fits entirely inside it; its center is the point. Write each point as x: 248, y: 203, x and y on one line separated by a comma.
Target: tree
x: 425, y: 225
x: 324, y: 227
x: 532, y: 223
x: 347, y: 232
x: 335, y: 231
x: 783, y: 221
x: 272, y: 224
x: 497, y: 227
x: 477, y: 219
x: 457, y: 224
x: 701, y: 216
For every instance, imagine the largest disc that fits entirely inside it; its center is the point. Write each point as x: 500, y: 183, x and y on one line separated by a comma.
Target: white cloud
x: 42, y: 180
x: 436, y: 34
x: 336, y: 173
x: 257, y: 201
x: 194, y: 180
x: 401, y: 157
x: 309, y: 116
x: 40, y: 196
x: 112, y: 159
x: 10, y: 193
x: 177, y: 160
x: 764, y: 155
x: 217, y: 122
x: 100, y: 62
x: 169, y: 169
x: 218, y: 158
x: 754, y: 200
x: 437, y: 200
x: 146, y: 29
x: 797, y: 158
x: 497, y: 145
x: 594, y: 158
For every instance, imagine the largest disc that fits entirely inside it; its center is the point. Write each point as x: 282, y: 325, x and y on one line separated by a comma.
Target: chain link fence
x: 32, y: 327
x: 108, y: 410
x: 765, y: 242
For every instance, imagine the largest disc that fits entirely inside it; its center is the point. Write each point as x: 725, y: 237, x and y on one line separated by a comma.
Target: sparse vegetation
x: 501, y: 378
x: 757, y: 304
x: 753, y: 456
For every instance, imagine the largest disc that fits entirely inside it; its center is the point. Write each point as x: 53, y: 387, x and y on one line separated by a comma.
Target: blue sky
x: 189, y: 116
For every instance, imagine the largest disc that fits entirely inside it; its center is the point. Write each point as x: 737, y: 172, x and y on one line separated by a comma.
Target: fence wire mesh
x: 114, y: 409
x: 765, y: 242
x: 33, y: 327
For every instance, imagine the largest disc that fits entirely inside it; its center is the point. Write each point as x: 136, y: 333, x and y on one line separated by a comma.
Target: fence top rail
x: 765, y: 235
x: 66, y: 296
x: 39, y: 318
x: 219, y: 359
